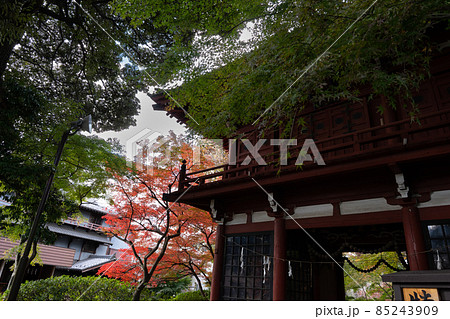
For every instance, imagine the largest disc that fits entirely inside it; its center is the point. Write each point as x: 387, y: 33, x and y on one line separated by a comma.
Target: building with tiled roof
x: 81, y: 247
x: 83, y: 233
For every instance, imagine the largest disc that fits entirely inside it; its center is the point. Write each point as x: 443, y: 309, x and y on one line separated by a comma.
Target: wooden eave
x: 245, y: 187
x: 162, y: 103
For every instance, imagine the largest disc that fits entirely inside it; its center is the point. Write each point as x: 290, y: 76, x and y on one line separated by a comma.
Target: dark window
x: 90, y: 247
x: 248, y: 263
x: 339, y: 120
x: 439, y: 236
x: 95, y: 219
x: 418, y: 99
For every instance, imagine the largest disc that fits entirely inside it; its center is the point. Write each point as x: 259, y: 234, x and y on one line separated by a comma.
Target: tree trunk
x: 137, y: 292
x: 21, y: 265
x: 19, y: 256
x: 14, y: 273
x: 199, y: 282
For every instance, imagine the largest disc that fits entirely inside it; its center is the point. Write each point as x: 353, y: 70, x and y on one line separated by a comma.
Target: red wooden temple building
x: 385, y: 186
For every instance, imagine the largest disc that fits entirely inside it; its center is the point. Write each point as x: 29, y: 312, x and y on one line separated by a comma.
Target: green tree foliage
x: 168, y: 289
x: 67, y: 52
x: 56, y: 66
x: 26, y: 159
x: 66, y: 288
x: 229, y: 83
x: 92, y: 288
x: 61, y: 60
x: 369, y: 284
x: 192, y: 296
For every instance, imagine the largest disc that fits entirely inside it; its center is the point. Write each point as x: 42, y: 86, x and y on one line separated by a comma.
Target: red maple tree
x: 163, y: 237
x: 192, y: 252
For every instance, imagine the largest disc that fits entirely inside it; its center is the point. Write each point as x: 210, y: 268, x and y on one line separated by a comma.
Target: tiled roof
x: 79, y: 233
x: 92, y: 262
x: 50, y: 255
x: 95, y: 208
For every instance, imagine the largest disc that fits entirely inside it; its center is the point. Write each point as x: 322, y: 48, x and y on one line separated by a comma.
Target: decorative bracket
x: 216, y: 214
x: 274, y: 211
x: 213, y: 210
x: 273, y: 205
x: 402, y: 188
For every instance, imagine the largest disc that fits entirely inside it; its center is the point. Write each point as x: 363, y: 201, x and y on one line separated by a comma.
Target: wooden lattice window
x: 247, y: 272
x: 299, y: 269
x: 299, y: 278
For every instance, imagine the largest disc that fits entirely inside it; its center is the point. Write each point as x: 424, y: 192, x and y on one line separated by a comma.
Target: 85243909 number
x: 407, y: 310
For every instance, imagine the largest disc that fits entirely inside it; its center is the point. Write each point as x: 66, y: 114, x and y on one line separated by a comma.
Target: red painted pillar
x: 279, y: 263
x: 415, y: 243
x: 218, y: 263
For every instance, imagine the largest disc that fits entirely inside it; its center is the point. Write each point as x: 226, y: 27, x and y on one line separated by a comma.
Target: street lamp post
x: 85, y: 125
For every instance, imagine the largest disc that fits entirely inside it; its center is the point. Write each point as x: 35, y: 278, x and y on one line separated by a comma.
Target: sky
x: 156, y: 121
